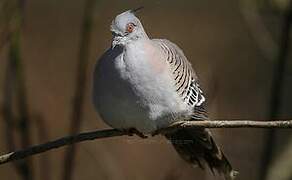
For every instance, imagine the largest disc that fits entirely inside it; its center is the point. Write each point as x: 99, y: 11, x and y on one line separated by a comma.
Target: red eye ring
x: 130, y: 27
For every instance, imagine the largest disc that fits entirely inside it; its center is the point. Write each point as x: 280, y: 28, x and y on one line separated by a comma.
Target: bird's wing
x: 186, y: 81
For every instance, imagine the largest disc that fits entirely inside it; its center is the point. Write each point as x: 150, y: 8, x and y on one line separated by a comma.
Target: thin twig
x: 77, y: 110
x: 21, y: 98
x: 99, y: 134
x: 14, y: 87
x: 278, y: 86
x: 20, y: 89
x: 6, y: 17
x: 7, y: 111
x: 257, y: 29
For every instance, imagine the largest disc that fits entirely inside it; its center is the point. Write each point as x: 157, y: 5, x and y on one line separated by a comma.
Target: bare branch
x: 99, y: 134
x: 59, y: 143
x: 262, y: 36
x: 278, y: 85
x: 80, y: 88
x: 234, y: 124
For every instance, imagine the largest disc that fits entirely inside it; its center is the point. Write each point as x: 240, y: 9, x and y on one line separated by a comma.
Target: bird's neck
x: 143, y: 34
x: 140, y: 36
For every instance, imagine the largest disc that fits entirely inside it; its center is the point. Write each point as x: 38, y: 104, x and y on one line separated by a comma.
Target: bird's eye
x: 130, y: 27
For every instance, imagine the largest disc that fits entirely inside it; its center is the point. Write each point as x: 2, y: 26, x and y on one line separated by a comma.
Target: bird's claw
x: 133, y: 131
x: 170, y: 128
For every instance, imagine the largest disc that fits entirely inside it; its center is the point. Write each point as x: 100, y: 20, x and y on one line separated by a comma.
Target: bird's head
x: 126, y: 27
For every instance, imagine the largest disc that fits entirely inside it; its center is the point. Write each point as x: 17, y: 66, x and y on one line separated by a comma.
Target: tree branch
x: 80, y: 87
x: 99, y: 134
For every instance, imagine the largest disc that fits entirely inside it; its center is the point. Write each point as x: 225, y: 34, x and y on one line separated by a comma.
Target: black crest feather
x: 137, y: 9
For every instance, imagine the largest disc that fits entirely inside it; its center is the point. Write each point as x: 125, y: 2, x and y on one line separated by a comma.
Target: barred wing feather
x: 186, y: 81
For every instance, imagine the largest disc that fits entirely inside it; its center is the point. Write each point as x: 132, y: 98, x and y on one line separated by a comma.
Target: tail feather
x: 197, y: 147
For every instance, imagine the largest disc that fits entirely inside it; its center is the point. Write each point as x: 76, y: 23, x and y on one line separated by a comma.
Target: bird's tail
x: 197, y: 147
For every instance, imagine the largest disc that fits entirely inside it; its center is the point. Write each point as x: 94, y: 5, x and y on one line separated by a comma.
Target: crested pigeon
x: 146, y: 85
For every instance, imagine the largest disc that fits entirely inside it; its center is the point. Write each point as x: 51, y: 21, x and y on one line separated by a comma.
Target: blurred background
x: 240, y: 49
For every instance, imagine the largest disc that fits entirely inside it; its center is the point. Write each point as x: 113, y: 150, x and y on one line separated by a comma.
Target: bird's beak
x: 116, y: 39
x: 114, y: 43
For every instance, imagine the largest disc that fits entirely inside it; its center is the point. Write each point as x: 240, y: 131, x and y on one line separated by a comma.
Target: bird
x: 144, y: 85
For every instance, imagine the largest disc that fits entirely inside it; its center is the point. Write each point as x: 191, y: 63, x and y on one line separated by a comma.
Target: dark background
x: 48, y: 52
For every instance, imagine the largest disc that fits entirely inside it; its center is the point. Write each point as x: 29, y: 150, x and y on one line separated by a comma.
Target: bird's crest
x: 136, y: 9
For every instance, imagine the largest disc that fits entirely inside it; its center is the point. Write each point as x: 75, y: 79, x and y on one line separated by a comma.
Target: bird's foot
x: 171, y: 128
x: 132, y: 131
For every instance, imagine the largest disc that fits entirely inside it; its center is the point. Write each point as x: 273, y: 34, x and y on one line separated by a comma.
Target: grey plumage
x: 149, y: 84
